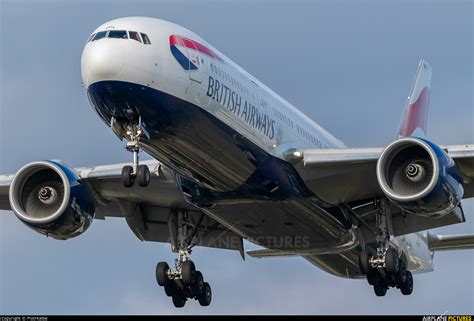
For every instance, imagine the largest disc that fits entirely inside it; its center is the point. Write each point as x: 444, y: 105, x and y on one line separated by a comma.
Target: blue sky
x: 346, y: 64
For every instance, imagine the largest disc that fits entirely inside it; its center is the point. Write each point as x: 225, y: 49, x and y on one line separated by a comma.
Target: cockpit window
x: 145, y: 38
x: 120, y: 34
x: 99, y: 35
x: 134, y: 35
x: 91, y: 37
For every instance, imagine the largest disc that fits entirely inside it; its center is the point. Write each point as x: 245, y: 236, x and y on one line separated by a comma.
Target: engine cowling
x: 420, y: 177
x: 49, y: 197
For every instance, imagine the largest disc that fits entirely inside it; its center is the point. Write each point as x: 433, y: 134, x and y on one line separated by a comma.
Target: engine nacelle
x: 49, y: 197
x: 420, y: 177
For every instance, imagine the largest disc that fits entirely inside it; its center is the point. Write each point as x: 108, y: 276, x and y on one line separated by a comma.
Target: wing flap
x: 450, y: 242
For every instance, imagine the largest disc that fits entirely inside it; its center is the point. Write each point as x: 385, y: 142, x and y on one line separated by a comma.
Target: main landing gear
x: 137, y: 172
x: 386, y: 266
x: 183, y: 282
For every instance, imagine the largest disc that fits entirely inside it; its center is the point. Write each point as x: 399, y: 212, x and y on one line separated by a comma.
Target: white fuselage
x: 154, y: 66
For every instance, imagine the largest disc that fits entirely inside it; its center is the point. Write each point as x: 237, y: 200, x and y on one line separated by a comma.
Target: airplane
x: 234, y: 161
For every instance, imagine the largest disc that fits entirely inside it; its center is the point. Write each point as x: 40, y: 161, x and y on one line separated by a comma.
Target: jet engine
x: 49, y: 197
x: 420, y: 177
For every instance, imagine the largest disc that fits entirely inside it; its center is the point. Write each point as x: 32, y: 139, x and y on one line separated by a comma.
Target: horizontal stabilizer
x: 450, y: 242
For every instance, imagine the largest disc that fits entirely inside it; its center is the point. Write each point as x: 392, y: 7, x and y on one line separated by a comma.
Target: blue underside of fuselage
x: 195, y: 143
x: 213, y: 162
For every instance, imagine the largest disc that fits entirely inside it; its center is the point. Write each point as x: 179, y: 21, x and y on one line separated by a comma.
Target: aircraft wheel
x: 161, y: 273
x: 128, y: 179
x: 380, y: 289
x: 401, y: 275
x: 364, y: 261
x: 188, y: 272
x: 143, y: 175
x: 171, y: 290
x: 407, y: 286
x: 198, y: 284
x: 206, y: 296
x: 391, y: 260
x: 372, y: 276
x: 178, y: 301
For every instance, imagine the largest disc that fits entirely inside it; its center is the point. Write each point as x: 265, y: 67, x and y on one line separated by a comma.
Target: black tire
x: 206, y: 296
x: 171, y: 290
x: 178, y: 301
x: 128, y: 179
x: 380, y: 288
x: 391, y: 261
x: 407, y: 286
x: 161, y: 273
x: 188, y: 271
x: 143, y: 175
x: 198, y: 284
x: 401, y: 275
x: 364, y: 261
x: 372, y: 276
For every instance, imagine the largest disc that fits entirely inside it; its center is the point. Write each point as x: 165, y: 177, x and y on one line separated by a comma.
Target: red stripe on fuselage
x: 416, y: 114
x: 191, y: 44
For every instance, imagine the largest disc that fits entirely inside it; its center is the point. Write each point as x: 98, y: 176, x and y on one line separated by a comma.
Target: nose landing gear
x: 136, y: 172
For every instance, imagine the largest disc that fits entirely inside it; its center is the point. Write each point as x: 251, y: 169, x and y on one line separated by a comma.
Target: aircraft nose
x: 101, y: 60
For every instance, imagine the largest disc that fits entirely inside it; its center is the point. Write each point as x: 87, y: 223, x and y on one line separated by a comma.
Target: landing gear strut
x: 137, y: 172
x: 183, y: 282
x: 386, y: 266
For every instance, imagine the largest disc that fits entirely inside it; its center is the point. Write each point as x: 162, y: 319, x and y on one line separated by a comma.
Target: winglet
x: 415, y: 116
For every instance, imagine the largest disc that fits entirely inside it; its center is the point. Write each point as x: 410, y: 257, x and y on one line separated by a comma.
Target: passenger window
x: 134, y: 35
x: 100, y: 35
x: 120, y: 34
x: 145, y: 38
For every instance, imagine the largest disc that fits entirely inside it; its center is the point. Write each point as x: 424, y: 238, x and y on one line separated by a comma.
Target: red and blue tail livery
x: 415, y: 116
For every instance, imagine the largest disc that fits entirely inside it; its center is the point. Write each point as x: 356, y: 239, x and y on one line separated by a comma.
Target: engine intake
x: 49, y: 197
x: 420, y: 177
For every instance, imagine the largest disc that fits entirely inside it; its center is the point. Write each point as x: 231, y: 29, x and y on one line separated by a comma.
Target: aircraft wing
x: 344, y: 175
x: 146, y: 210
x: 348, y: 176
